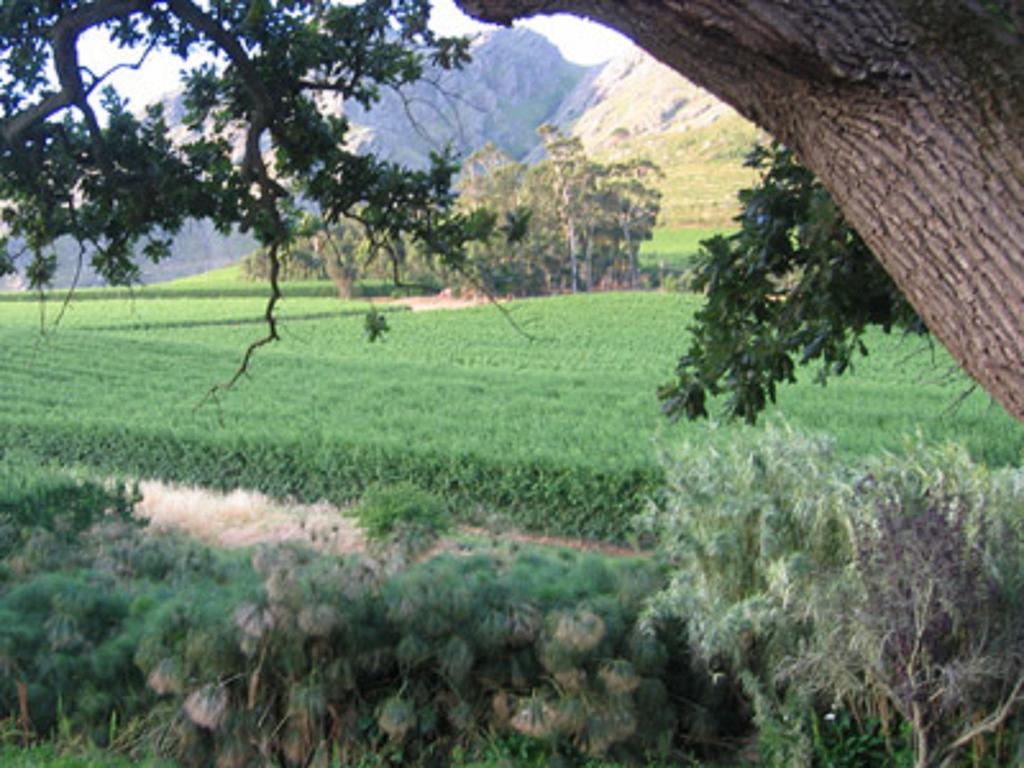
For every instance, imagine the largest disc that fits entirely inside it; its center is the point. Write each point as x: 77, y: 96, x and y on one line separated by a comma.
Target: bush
x: 931, y: 618
x: 288, y: 655
x: 400, y: 510
x: 415, y: 663
x: 891, y: 587
x: 34, y: 497
x: 81, y: 583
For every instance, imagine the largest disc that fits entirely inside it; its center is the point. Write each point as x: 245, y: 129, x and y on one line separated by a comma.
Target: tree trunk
x: 589, y: 256
x: 342, y: 285
x: 634, y: 268
x: 573, y: 260
x: 912, y: 114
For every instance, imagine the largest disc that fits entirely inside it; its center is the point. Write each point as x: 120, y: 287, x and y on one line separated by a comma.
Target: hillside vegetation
x: 703, y: 170
x: 636, y: 107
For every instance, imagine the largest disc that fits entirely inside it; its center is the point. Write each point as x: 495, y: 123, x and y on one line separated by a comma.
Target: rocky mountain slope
x: 635, y: 95
x: 634, y: 106
x: 517, y: 82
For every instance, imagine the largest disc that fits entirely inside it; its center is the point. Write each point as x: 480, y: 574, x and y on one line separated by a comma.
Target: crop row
x: 236, y: 321
x: 539, y: 495
x: 307, y: 289
x: 241, y: 290
x: 125, y: 314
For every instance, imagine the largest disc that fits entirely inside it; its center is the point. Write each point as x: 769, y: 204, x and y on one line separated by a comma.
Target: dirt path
x: 442, y: 300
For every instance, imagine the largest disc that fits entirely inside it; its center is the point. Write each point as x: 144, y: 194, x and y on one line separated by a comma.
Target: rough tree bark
x: 910, y: 111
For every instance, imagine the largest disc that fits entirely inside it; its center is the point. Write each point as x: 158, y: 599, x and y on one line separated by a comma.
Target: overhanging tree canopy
x: 910, y: 111
x: 256, y: 142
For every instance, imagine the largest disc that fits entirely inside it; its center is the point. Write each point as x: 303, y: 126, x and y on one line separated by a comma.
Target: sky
x: 582, y: 42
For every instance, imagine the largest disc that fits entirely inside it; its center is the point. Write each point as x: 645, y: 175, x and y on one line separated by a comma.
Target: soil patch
x: 443, y: 300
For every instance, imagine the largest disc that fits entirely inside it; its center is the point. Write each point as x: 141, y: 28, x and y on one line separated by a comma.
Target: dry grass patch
x: 246, y: 518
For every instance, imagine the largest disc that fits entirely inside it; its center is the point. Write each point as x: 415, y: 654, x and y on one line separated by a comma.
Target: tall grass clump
x: 346, y: 660
x: 888, y: 589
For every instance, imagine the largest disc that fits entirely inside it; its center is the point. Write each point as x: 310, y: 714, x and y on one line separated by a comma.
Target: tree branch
x: 64, y: 43
x: 993, y: 721
x: 269, y: 317
x: 98, y: 80
x: 263, y: 102
x: 270, y: 190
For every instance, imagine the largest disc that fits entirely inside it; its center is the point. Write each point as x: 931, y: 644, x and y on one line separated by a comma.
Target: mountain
x: 635, y: 106
x: 636, y: 95
x: 517, y: 81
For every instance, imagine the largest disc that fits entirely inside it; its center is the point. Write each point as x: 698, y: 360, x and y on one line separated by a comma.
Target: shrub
x: 399, y: 510
x: 82, y: 582
x: 35, y: 497
x: 746, y: 528
x: 931, y: 619
x: 891, y: 587
x: 416, y: 662
x: 290, y: 656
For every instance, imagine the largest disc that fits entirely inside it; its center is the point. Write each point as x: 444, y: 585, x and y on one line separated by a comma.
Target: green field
x: 676, y: 248
x: 223, y: 283
x: 560, y: 430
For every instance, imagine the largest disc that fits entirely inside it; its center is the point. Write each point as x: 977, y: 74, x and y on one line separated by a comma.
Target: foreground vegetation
x: 805, y: 608
x: 350, y: 658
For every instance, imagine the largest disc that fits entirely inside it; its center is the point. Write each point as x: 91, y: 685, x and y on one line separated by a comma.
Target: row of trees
x: 569, y: 224
x: 580, y: 222
x: 321, y: 251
